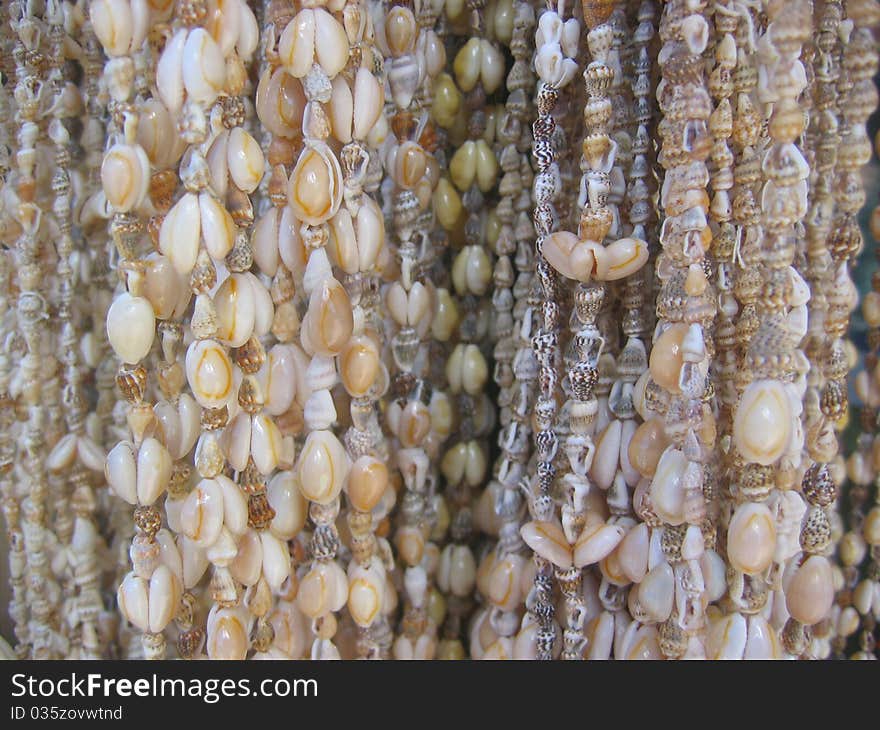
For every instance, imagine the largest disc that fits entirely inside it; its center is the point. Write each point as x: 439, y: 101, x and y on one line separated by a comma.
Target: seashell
x: 266, y: 444
x: 504, y: 582
x: 656, y: 592
x: 245, y: 160
x: 201, y: 517
x: 596, y: 541
x: 265, y: 241
x: 195, y: 562
x: 222, y: 22
x: 169, y: 73
x: 113, y: 23
x: 632, y: 554
x: 809, y: 594
x: 714, y: 575
x: 727, y: 637
x: 63, y: 454
x: 290, y: 506
x: 280, y: 103
x: 166, y: 289
x: 125, y: 176
x: 132, y: 596
x: 329, y: 321
x: 646, y: 446
x: 204, y: 69
x: 227, y: 637
x: 217, y: 227
x: 131, y: 327
x: 369, y: 99
x: 359, y: 364
x: 761, y: 642
x: 277, y: 378
x: 366, y: 588
x: 236, y: 310
x: 223, y: 550
x: 548, y: 541
x: 209, y: 373
x: 457, y: 571
x: 404, y: 76
x: 667, y: 357
x: 763, y: 423
x: 180, y: 232
x: 751, y: 538
x: 169, y: 555
x: 340, y: 109
x: 322, y: 467
x: 367, y: 482
x: 291, y: 629
x: 237, y: 441
x: 315, y: 187
x: 247, y: 566
x: 276, y: 560
x: 155, y: 130
x: 607, y: 454
x: 323, y: 590
x: 600, y: 636
x: 121, y: 471
x: 667, y: 489
x: 313, y: 36
x: 624, y: 257
x: 153, y: 471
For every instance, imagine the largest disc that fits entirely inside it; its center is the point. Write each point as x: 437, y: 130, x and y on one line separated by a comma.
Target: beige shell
x: 125, y: 176
x: 315, y: 187
x: 322, y: 467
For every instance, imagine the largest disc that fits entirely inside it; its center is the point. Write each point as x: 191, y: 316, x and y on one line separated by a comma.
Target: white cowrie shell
x: 202, y: 514
x: 131, y: 327
x: 236, y: 310
x: 238, y: 441
x: 570, y: 37
x: 195, y: 562
x: 164, y: 595
x: 204, y: 69
x: 245, y: 159
x: 121, y: 471
x: 550, y: 29
x: 369, y: 98
x: 235, y: 505
x: 249, y: 33
x: 247, y: 566
x: 341, y: 109
x: 133, y: 600
x: 217, y: 159
x: 227, y: 634
x: 209, y: 373
x: 266, y: 444
x: 276, y: 560
x: 323, y: 590
x: 113, y: 24
x: 217, y: 227
x: 125, y: 176
x: 169, y: 555
x: 169, y: 73
x: 179, y: 233
x: 153, y: 471
x: 223, y: 22
x: 366, y: 588
x: 265, y: 243
x: 290, y: 506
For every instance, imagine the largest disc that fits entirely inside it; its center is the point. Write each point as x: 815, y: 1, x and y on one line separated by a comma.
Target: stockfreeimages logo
x: 96, y: 685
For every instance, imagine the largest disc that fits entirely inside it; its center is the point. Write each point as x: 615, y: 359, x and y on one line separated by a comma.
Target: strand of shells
x: 503, y: 577
x: 682, y: 341
x: 44, y: 639
x: 555, y: 68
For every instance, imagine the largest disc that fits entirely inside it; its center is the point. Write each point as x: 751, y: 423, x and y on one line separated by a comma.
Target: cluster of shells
x: 438, y: 329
